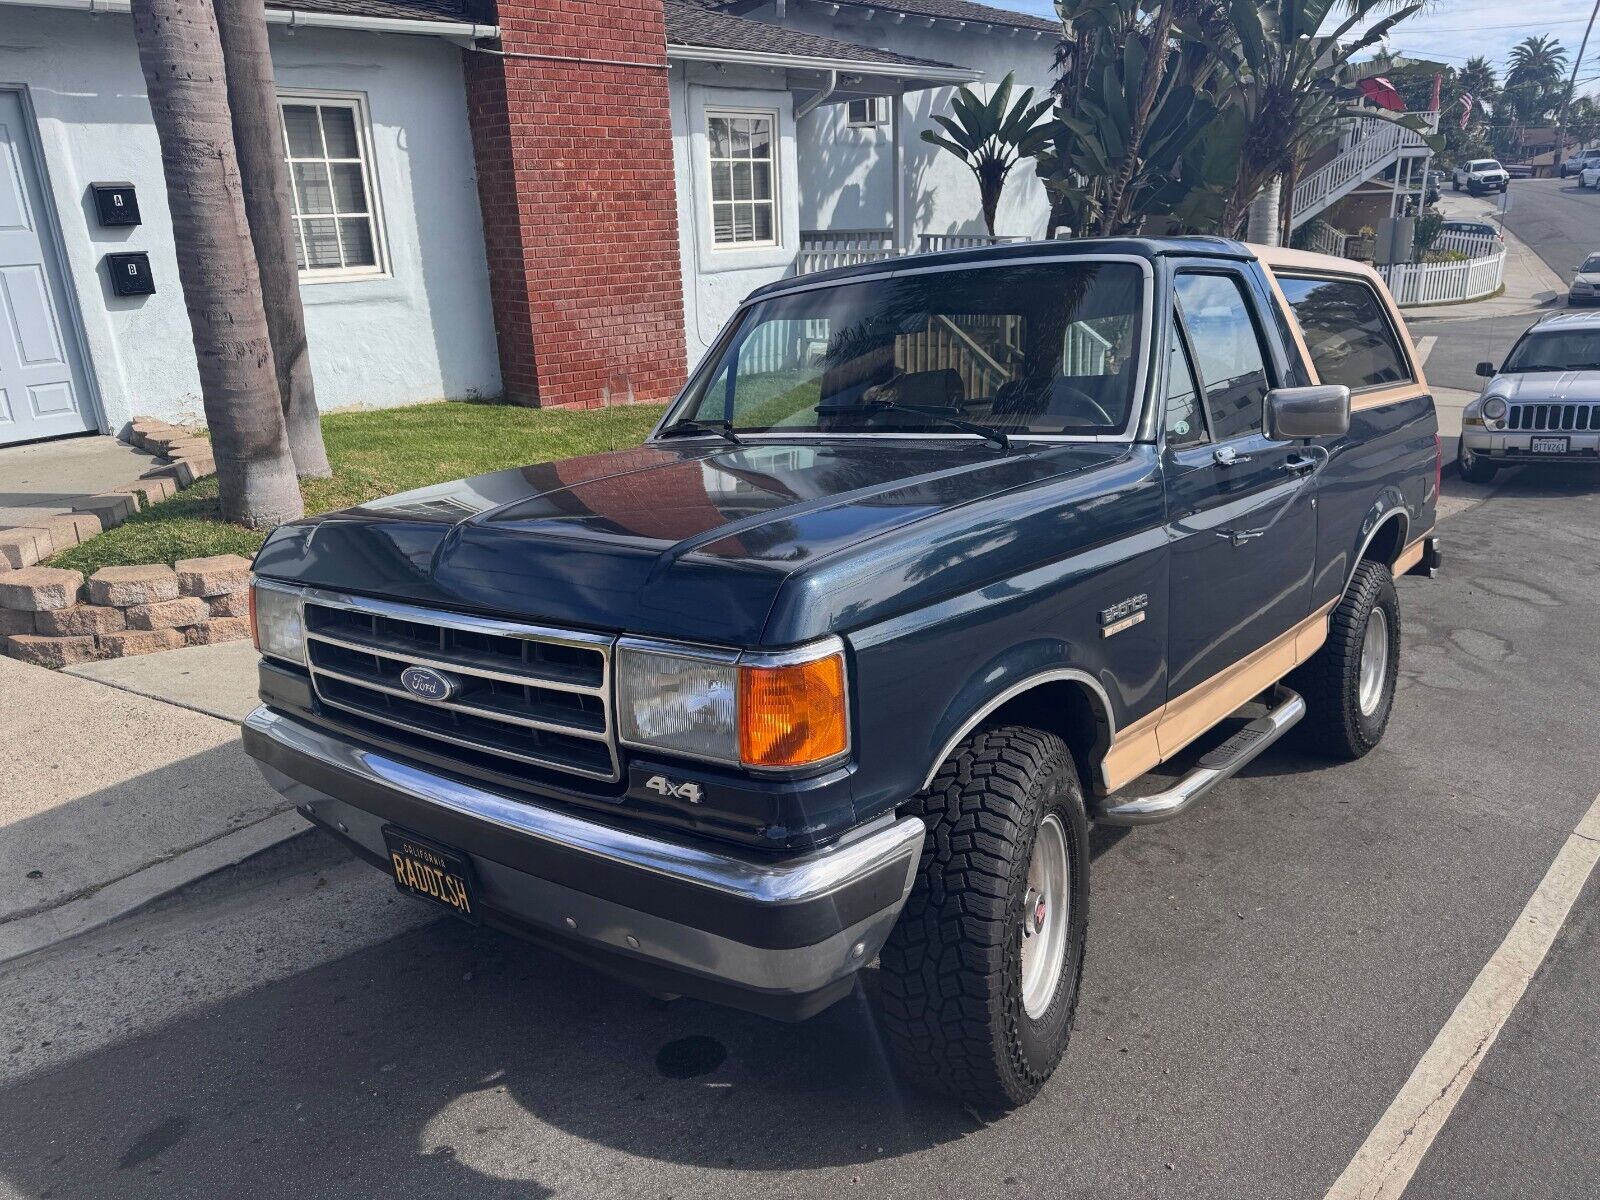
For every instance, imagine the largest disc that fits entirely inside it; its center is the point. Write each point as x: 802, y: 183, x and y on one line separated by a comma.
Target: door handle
x: 1240, y: 536
x: 1227, y: 456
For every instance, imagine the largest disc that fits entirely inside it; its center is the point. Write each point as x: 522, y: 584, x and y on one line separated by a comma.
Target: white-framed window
x: 869, y: 112
x: 337, y: 226
x: 740, y: 147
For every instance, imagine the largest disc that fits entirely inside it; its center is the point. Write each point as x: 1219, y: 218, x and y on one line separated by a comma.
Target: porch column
x: 901, y: 235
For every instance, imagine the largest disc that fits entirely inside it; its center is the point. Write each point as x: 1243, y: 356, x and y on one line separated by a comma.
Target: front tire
x: 1474, y: 468
x: 980, y: 977
x: 1455, y: 185
x: 1348, y: 685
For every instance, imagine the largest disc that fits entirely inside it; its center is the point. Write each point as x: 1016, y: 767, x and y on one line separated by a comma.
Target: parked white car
x: 1481, y: 175
x: 1585, y: 287
x: 1590, y: 176
x: 1542, y: 405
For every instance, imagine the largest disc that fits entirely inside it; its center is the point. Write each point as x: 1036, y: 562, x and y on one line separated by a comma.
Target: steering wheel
x: 1070, y: 397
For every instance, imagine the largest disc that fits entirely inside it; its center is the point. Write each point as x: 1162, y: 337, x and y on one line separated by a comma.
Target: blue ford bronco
x: 933, y: 562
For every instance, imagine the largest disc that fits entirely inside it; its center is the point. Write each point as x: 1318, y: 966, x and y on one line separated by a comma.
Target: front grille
x: 528, y: 694
x: 1579, y: 418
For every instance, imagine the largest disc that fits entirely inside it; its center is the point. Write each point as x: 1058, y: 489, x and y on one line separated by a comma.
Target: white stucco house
x: 559, y: 201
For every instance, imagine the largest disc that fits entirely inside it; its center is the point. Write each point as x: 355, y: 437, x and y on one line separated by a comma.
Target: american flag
x: 1467, y: 101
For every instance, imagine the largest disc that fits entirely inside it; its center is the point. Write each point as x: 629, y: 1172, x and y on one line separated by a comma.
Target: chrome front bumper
x: 783, y: 936
x: 1515, y: 446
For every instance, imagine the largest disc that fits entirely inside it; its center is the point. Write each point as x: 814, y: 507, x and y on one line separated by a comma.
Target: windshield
x: 1041, y: 348
x: 1592, y: 263
x: 1483, y: 164
x: 1567, y: 350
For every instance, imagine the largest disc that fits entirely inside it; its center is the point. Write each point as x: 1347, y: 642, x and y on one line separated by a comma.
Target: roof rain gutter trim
x: 806, y: 62
x: 297, y: 19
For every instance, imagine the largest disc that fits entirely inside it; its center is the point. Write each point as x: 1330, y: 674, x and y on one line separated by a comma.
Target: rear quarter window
x: 1347, y: 331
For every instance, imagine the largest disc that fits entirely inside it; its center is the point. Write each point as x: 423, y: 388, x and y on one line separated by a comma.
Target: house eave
x: 926, y: 76
x: 456, y: 31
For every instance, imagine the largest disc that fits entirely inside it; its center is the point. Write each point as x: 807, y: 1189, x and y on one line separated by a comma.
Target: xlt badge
x: 1124, y: 614
x: 687, y: 790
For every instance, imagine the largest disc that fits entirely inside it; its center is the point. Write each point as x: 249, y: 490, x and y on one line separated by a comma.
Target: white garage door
x: 41, y: 386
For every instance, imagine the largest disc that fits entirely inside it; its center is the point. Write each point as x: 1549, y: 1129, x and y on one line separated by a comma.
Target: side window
x: 1186, y: 419
x: 1346, y: 331
x: 1228, y: 353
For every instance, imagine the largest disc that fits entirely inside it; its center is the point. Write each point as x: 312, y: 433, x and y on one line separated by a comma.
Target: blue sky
x: 1455, y: 29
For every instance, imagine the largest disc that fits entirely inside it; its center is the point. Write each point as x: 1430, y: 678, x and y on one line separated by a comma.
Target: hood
x: 675, y: 540
x: 1592, y: 278
x: 1574, y: 387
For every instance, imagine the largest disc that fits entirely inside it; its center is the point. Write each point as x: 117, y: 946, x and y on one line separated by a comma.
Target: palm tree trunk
x: 181, y: 54
x: 1114, y: 217
x: 1291, y: 180
x: 264, y: 176
x: 1262, y: 228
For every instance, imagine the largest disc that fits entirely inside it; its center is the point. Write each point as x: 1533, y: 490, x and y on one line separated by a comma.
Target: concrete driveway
x: 1264, y: 978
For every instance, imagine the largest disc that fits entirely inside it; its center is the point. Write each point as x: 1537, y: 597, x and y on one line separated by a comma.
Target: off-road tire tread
x: 943, y: 1013
x: 1329, y: 683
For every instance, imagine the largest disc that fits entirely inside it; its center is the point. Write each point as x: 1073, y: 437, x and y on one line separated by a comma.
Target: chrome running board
x: 1214, y: 766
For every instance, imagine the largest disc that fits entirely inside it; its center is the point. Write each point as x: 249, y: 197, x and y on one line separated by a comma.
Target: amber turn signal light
x: 792, y: 715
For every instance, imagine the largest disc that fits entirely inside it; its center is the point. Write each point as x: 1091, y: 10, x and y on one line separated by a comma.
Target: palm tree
x: 264, y: 176
x: 180, y: 52
x: 1537, y: 60
x: 992, y: 136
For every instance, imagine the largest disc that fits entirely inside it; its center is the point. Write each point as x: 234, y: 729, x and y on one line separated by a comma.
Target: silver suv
x: 1580, y: 160
x: 1542, y: 405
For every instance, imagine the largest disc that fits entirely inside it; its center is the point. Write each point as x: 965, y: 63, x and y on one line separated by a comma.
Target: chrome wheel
x: 1046, y: 913
x: 1374, y: 662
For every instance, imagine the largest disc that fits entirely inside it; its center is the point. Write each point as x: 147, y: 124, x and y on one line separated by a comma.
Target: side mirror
x: 1308, y: 412
x: 1486, y: 369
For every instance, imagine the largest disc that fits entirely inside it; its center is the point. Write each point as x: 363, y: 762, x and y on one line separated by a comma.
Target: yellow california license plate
x: 431, y: 871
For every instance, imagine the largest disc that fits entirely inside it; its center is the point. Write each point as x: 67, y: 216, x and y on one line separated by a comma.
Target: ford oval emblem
x: 427, y: 684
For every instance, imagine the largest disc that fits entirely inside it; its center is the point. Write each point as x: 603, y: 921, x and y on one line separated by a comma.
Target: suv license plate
x: 425, y: 869
x: 1549, y: 445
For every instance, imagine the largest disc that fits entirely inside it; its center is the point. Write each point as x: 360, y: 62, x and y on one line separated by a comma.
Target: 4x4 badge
x: 687, y: 790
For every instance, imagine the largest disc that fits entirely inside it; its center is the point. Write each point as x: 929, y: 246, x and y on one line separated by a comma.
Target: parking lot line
x: 1384, y: 1165
x: 1424, y: 349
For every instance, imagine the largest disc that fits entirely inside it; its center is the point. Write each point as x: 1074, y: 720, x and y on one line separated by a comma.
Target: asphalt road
x: 1263, y: 975
x: 1561, y: 223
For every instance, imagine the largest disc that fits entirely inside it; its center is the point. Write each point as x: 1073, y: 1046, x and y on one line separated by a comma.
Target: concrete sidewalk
x: 116, y: 799
x: 46, y: 478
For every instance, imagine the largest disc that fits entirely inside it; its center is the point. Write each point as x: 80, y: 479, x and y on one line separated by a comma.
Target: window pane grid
x: 742, y: 193
x: 331, y: 199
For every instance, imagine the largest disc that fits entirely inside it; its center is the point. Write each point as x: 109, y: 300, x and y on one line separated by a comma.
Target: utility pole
x: 1566, y: 96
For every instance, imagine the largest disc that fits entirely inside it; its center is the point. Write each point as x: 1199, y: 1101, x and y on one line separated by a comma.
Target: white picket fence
x: 928, y: 243
x: 1473, y: 245
x: 1445, y: 282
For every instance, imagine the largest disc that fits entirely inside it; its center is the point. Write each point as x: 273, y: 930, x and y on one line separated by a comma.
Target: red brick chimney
x: 572, y: 133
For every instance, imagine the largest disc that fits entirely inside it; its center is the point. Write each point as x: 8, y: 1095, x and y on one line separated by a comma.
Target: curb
x: 124, y: 896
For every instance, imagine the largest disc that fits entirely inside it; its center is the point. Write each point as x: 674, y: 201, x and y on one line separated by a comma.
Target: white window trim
x: 357, y: 101
x: 772, y: 115
x: 880, y: 113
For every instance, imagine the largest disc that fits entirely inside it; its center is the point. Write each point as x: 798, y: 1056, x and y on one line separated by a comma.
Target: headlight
x: 757, y: 710
x: 1494, y: 408
x: 276, y: 626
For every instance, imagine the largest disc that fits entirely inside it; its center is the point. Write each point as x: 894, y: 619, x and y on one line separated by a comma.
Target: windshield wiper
x: 721, y: 428
x: 987, y: 432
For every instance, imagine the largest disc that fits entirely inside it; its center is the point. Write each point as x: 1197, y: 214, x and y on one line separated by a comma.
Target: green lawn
x: 373, y: 454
